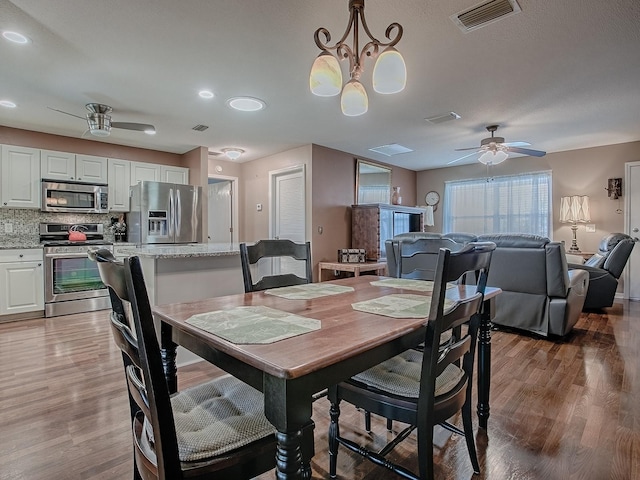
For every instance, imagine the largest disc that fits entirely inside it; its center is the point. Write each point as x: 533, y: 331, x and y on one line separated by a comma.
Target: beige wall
x: 254, y: 189
x: 574, y: 172
x: 45, y: 141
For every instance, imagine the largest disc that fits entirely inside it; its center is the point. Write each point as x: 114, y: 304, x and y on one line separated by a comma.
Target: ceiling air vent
x: 200, y: 128
x: 484, y: 13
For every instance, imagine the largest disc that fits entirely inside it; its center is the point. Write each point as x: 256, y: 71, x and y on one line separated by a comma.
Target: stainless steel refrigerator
x: 164, y: 213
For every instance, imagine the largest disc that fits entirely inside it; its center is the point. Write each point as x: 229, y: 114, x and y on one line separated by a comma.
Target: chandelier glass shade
x: 389, y: 72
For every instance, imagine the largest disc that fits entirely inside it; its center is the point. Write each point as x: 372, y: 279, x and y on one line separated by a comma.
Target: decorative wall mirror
x: 373, y: 183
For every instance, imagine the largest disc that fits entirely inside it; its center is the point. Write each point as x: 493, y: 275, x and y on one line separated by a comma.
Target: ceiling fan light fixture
x: 493, y: 157
x: 354, y: 100
x: 389, y: 72
x: 325, y: 79
x: 99, y: 124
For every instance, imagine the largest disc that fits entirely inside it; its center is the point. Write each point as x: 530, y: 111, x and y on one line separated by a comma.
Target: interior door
x: 288, y: 209
x: 632, y: 227
x: 220, y: 211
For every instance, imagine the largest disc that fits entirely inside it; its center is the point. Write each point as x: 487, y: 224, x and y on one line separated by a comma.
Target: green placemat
x: 407, y: 284
x: 308, y: 291
x: 253, y: 324
x: 399, y: 306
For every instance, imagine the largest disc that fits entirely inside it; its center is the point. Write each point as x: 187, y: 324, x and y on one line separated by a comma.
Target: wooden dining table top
x: 344, y: 332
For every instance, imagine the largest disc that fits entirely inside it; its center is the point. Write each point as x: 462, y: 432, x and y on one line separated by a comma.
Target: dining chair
x: 289, y: 253
x: 423, y: 389
x: 213, y: 430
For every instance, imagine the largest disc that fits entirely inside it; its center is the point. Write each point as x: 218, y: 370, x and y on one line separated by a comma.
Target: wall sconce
x: 614, y: 188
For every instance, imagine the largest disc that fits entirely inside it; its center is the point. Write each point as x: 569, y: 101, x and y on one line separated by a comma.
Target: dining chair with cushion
x: 213, y: 430
x: 294, y: 259
x: 423, y: 389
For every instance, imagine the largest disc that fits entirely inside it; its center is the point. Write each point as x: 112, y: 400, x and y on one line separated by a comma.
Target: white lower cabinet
x: 21, y: 281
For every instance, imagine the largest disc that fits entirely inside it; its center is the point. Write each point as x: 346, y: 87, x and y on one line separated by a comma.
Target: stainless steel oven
x: 72, y: 281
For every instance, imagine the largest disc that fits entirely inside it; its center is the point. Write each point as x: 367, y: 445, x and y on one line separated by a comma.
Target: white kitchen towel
x: 428, y: 216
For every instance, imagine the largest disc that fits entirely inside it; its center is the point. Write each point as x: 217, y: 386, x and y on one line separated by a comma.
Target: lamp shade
x: 493, y: 157
x: 354, y: 100
x: 575, y: 209
x: 325, y: 79
x: 389, y: 72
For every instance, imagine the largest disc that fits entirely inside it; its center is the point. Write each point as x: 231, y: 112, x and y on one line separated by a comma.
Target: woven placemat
x: 308, y: 291
x: 399, y: 305
x: 407, y: 284
x: 253, y: 325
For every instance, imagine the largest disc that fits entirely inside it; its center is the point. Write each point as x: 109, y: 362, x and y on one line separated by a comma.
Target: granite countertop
x: 180, y: 251
x: 9, y: 243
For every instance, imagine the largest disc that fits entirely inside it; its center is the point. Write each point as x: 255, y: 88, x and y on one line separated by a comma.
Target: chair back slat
x: 251, y: 254
x: 137, y: 389
x: 417, y: 258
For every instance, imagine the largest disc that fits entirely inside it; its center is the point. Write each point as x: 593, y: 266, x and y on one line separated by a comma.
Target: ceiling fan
x: 100, y: 124
x: 495, y: 150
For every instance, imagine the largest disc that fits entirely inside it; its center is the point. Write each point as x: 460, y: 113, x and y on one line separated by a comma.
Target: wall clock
x: 432, y: 199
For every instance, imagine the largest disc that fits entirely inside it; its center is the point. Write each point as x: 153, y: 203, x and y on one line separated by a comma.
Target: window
x: 509, y: 204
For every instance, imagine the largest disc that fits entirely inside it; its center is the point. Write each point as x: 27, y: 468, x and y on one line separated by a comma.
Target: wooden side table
x: 356, y: 268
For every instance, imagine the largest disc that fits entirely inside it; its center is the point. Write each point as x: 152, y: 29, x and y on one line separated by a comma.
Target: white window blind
x: 508, y: 204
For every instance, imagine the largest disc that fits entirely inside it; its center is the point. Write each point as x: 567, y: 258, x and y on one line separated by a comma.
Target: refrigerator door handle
x: 178, y: 211
x: 172, y: 211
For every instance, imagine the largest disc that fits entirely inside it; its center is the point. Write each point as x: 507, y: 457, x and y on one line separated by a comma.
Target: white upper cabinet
x: 119, y: 181
x: 20, y: 184
x: 69, y: 166
x: 172, y: 174
x: 141, y: 171
x: 91, y: 169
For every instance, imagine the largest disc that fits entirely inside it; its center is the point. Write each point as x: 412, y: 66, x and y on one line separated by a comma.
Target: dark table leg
x: 484, y: 364
x: 168, y: 352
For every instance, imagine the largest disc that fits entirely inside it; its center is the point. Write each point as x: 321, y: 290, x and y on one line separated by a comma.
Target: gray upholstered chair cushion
x: 217, y: 417
x: 400, y: 375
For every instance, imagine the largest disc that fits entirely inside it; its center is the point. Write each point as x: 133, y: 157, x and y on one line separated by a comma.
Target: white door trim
x: 273, y: 175
x: 627, y: 221
x: 234, y: 203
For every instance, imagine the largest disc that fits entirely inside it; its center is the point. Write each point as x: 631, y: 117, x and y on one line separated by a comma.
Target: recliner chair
x: 605, y: 268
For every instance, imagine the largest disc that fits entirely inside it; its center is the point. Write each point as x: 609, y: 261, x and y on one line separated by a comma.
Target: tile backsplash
x: 24, y: 224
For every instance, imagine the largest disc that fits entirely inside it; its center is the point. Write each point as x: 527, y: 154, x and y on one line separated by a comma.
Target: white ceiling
x: 561, y: 74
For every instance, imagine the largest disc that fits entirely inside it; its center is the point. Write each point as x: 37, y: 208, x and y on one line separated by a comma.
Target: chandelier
x: 389, y: 72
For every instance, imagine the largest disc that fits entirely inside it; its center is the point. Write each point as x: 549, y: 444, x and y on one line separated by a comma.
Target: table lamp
x: 574, y: 210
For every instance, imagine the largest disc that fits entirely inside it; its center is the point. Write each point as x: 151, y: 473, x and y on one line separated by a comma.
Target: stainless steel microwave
x: 74, y: 197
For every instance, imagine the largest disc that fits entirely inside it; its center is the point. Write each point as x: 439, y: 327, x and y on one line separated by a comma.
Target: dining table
x: 309, y: 338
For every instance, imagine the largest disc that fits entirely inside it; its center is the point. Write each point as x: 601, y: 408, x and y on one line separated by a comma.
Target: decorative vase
x: 396, y: 199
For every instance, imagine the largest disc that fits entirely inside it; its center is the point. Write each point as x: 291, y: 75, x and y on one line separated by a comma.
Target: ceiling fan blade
x: 516, y: 144
x: 66, y: 113
x: 462, y: 158
x: 139, y: 127
x: 527, y: 151
x: 463, y: 149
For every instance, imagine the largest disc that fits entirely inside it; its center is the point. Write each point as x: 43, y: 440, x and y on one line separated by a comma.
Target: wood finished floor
x: 559, y: 410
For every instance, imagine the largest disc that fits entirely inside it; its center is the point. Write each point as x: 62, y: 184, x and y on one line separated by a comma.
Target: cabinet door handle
x: 39, y: 264
x: 21, y: 255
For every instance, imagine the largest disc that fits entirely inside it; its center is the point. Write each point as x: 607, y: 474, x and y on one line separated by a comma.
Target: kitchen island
x: 186, y: 272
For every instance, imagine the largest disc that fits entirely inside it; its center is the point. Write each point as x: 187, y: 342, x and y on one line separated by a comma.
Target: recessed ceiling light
x: 246, y: 104
x: 206, y: 93
x: 7, y: 103
x: 15, y: 37
x: 232, y: 153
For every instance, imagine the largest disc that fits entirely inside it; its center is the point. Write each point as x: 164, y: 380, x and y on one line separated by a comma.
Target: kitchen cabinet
x: 20, y: 183
x: 373, y: 224
x: 21, y: 281
x: 171, y: 174
x: 75, y: 167
x: 119, y: 174
x: 141, y: 171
